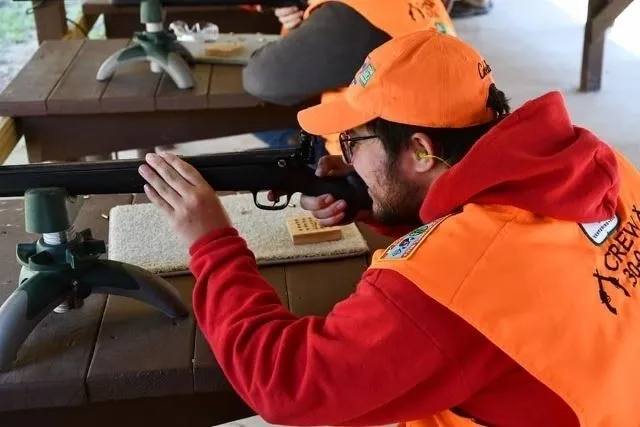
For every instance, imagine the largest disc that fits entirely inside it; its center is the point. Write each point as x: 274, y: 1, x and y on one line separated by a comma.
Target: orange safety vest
x: 394, y: 17
x: 558, y: 297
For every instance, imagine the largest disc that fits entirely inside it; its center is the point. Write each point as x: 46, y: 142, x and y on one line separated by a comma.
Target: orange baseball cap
x: 425, y: 78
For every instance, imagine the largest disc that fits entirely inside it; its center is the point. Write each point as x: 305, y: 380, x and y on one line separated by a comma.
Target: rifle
x: 286, y: 171
x: 63, y: 266
x: 301, y: 4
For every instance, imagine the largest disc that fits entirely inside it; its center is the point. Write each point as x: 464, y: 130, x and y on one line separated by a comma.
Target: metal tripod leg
x: 117, y: 278
x: 25, y: 308
x: 42, y: 292
x: 181, y: 50
x: 173, y: 63
x: 63, y: 267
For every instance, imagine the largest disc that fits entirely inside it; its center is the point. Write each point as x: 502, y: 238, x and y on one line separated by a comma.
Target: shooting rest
x: 62, y: 268
x: 161, y: 47
x: 157, y: 45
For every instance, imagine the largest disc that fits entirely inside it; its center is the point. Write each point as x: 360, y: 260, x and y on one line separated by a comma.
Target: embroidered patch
x: 364, y: 74
x: 405, y: 246
x: 598, y: 232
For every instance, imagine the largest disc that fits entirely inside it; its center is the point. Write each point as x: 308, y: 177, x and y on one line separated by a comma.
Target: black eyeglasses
x: 347, y: 143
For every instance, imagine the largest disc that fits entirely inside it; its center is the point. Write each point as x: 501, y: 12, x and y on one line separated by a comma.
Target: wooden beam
x: 8, y: 138
x: 604, y: 19
x: 82, y: 29
x: 600, y: 16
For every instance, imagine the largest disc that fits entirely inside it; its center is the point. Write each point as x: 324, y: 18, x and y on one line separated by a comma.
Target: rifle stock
x: 285, y: 171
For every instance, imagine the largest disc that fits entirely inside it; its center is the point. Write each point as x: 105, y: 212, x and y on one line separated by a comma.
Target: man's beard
x: 400, y: 201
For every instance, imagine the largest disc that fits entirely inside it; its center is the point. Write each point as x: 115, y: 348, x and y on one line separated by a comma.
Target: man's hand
x: 326, y: 208
x: 176, y: 187
x: 290, y: 17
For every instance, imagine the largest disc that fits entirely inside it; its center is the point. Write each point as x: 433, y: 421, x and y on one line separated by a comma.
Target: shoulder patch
x: 405, y: 246
x: 598, y: 232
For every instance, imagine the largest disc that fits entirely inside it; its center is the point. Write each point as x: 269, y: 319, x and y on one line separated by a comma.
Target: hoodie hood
x: 536, y: 160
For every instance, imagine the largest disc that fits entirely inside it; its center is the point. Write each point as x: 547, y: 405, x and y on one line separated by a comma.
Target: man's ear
x: 422, y: 152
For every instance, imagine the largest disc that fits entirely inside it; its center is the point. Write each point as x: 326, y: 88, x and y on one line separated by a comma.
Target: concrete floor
x: 533, y: 47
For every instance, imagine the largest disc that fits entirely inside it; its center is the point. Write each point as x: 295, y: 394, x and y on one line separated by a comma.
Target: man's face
x: 396, y: 196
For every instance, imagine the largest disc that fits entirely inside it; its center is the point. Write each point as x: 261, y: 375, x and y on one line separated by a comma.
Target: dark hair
x: 450, y: 144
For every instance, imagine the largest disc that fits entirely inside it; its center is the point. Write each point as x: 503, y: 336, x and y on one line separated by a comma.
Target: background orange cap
x: 425, y: 78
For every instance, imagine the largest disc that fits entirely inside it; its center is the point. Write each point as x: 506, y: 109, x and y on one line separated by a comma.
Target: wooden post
x: 8, y: 138
x: 51, y: 19
x: 600, y: 16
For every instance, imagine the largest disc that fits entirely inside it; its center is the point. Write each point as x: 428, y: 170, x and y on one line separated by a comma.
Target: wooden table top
x: 104, y: 6
x: 118, y: 350
x: 60, y: 79
x: 113, y: 348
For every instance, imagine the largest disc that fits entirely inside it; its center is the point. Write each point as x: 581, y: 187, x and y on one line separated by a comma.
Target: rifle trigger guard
x: 275, y: 206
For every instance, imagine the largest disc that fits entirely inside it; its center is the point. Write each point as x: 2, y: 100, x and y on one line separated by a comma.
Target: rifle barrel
x: 225, y: 172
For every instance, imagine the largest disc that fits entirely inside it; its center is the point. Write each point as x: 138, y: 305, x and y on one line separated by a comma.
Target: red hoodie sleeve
x: 342, y: 369
x: 394, y: 232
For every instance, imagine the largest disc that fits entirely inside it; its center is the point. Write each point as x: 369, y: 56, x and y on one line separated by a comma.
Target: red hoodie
x: 389, y: 353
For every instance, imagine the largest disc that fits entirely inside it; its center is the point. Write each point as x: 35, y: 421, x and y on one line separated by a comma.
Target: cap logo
x: 483, y: 69
x: 364, y: 74
x: 441, y: 27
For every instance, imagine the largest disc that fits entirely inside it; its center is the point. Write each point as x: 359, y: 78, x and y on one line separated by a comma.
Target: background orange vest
x: 394, y: 17
x: 560, y: 298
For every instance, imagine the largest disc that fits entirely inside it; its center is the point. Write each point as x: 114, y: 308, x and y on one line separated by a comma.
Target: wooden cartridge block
x: 306, y: 229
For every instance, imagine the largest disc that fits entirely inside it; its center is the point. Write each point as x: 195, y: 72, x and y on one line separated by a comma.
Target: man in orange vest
x: 513, y: 300
x: 325, y: 44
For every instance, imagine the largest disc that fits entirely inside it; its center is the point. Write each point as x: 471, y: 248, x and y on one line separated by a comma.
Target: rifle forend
x: 285, y: 171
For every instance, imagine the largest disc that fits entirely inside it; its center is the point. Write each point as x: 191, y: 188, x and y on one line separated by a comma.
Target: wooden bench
x: 120, y: 362
x: 64, y: 113
x: 122, y: 21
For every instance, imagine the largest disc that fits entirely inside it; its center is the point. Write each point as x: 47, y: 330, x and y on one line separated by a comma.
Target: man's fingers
x: 332, y: 210
x: 292, y: 17
x: 291, y: 21
x: 324, y: 208
x: 332, y: 166
x: 168, y: 174
x: 331, y: 221
x: 155, y: 198
x: 163, y: 189
x: 186, y: 170
x: 312, y: 203
x: 274, y: 196
x: 290, y: 25
x: 283, y: 11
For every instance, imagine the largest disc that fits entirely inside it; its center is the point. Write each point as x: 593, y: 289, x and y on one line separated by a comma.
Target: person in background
x: 470, y: 8
x: 324, y: 45
x: 512, y: 303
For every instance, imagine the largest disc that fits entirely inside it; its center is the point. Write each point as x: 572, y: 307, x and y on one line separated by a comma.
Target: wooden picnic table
x: 65, y: 113
x: 120, y: 362
x: 120, y: 21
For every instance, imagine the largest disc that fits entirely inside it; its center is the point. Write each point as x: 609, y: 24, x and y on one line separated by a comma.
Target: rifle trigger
x: 272, y: 207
